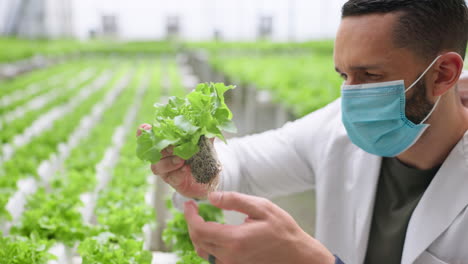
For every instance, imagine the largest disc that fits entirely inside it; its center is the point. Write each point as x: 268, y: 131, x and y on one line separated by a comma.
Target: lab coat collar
x: 442, y: 202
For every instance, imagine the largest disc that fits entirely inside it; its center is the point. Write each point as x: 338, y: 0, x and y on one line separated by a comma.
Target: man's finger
x: 167, y: 164
x: 202, y: 253
x: 254, y: 207
x: 142, y: 127
x: 178, y: 177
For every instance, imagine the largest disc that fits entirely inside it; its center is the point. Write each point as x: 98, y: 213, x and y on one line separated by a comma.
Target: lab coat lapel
x: 364, y: 210
x: 444, y: 199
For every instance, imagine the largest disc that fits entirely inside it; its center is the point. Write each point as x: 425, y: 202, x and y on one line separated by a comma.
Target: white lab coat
x: 315, y: 152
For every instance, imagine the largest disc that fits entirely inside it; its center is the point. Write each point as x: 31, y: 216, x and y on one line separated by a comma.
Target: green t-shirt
x: 399, y: 190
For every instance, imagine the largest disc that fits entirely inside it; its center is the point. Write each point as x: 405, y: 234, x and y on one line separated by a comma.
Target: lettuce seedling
x: 187, y: 124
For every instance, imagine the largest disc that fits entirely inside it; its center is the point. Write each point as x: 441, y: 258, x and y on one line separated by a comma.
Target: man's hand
x: 269, y: 235
x: 175, y: 172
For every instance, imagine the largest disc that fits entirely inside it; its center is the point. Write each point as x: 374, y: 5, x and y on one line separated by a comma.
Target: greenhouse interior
x: 233, y: 131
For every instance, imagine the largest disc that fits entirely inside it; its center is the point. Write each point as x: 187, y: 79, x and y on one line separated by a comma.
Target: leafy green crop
x: 121, y: 211
x: 183, y: 120
x: 176, y: 234
x: 12, y: 49
x: 53, y: 217
x: 109, y: 248
x: 19, y: 250
x: 190, y: 257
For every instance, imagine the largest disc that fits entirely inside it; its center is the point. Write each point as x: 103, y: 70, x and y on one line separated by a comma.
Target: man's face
x: 365, y: 52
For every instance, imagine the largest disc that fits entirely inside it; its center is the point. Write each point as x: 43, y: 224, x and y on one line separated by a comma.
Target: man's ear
x: 447, y: 70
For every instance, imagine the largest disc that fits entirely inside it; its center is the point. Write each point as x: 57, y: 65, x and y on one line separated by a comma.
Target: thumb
x: 254, y: 207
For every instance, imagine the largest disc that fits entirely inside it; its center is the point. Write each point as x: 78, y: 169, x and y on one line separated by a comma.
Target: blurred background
x: 189, y: 20
x: 78, y: 76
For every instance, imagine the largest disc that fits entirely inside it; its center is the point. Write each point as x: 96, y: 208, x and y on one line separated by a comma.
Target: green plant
x: 20, y: 250
x: 122, y: 210
x: 53, y: 217
x: 183, y: 121
x: 109, y: 248
x: 176, y: 234
x: 190, y: 257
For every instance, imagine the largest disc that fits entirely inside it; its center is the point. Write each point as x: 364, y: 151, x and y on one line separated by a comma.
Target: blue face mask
x: 375, y: 120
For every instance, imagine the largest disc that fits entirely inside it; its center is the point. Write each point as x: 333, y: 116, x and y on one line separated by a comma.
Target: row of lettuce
x: 42, y: 84
x: 53, y: 213
x: 14, y: 49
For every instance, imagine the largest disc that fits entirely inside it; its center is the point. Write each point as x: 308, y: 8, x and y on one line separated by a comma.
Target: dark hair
x: 425, y: 26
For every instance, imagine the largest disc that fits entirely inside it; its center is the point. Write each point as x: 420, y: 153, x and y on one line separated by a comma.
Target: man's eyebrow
x: 366, y: 67
x: 362, y: 67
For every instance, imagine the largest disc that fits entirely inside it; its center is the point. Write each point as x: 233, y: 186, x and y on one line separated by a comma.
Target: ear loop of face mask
x: 419, y: 79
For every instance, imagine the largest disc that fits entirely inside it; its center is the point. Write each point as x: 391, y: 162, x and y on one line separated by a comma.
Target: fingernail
x: 176, y: 160
x: 215, y: 197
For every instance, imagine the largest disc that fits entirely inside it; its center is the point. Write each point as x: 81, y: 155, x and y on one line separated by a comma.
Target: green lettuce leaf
x: 182, y: 121
x: 111, y: 248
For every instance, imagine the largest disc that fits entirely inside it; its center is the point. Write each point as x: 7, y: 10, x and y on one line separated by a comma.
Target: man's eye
x: 370, y: 75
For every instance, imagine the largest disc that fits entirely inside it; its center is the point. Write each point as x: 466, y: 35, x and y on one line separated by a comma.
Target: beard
x: 418, y: 106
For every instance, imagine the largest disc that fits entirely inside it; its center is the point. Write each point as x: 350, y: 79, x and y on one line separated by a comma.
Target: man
x: 389, y: 159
